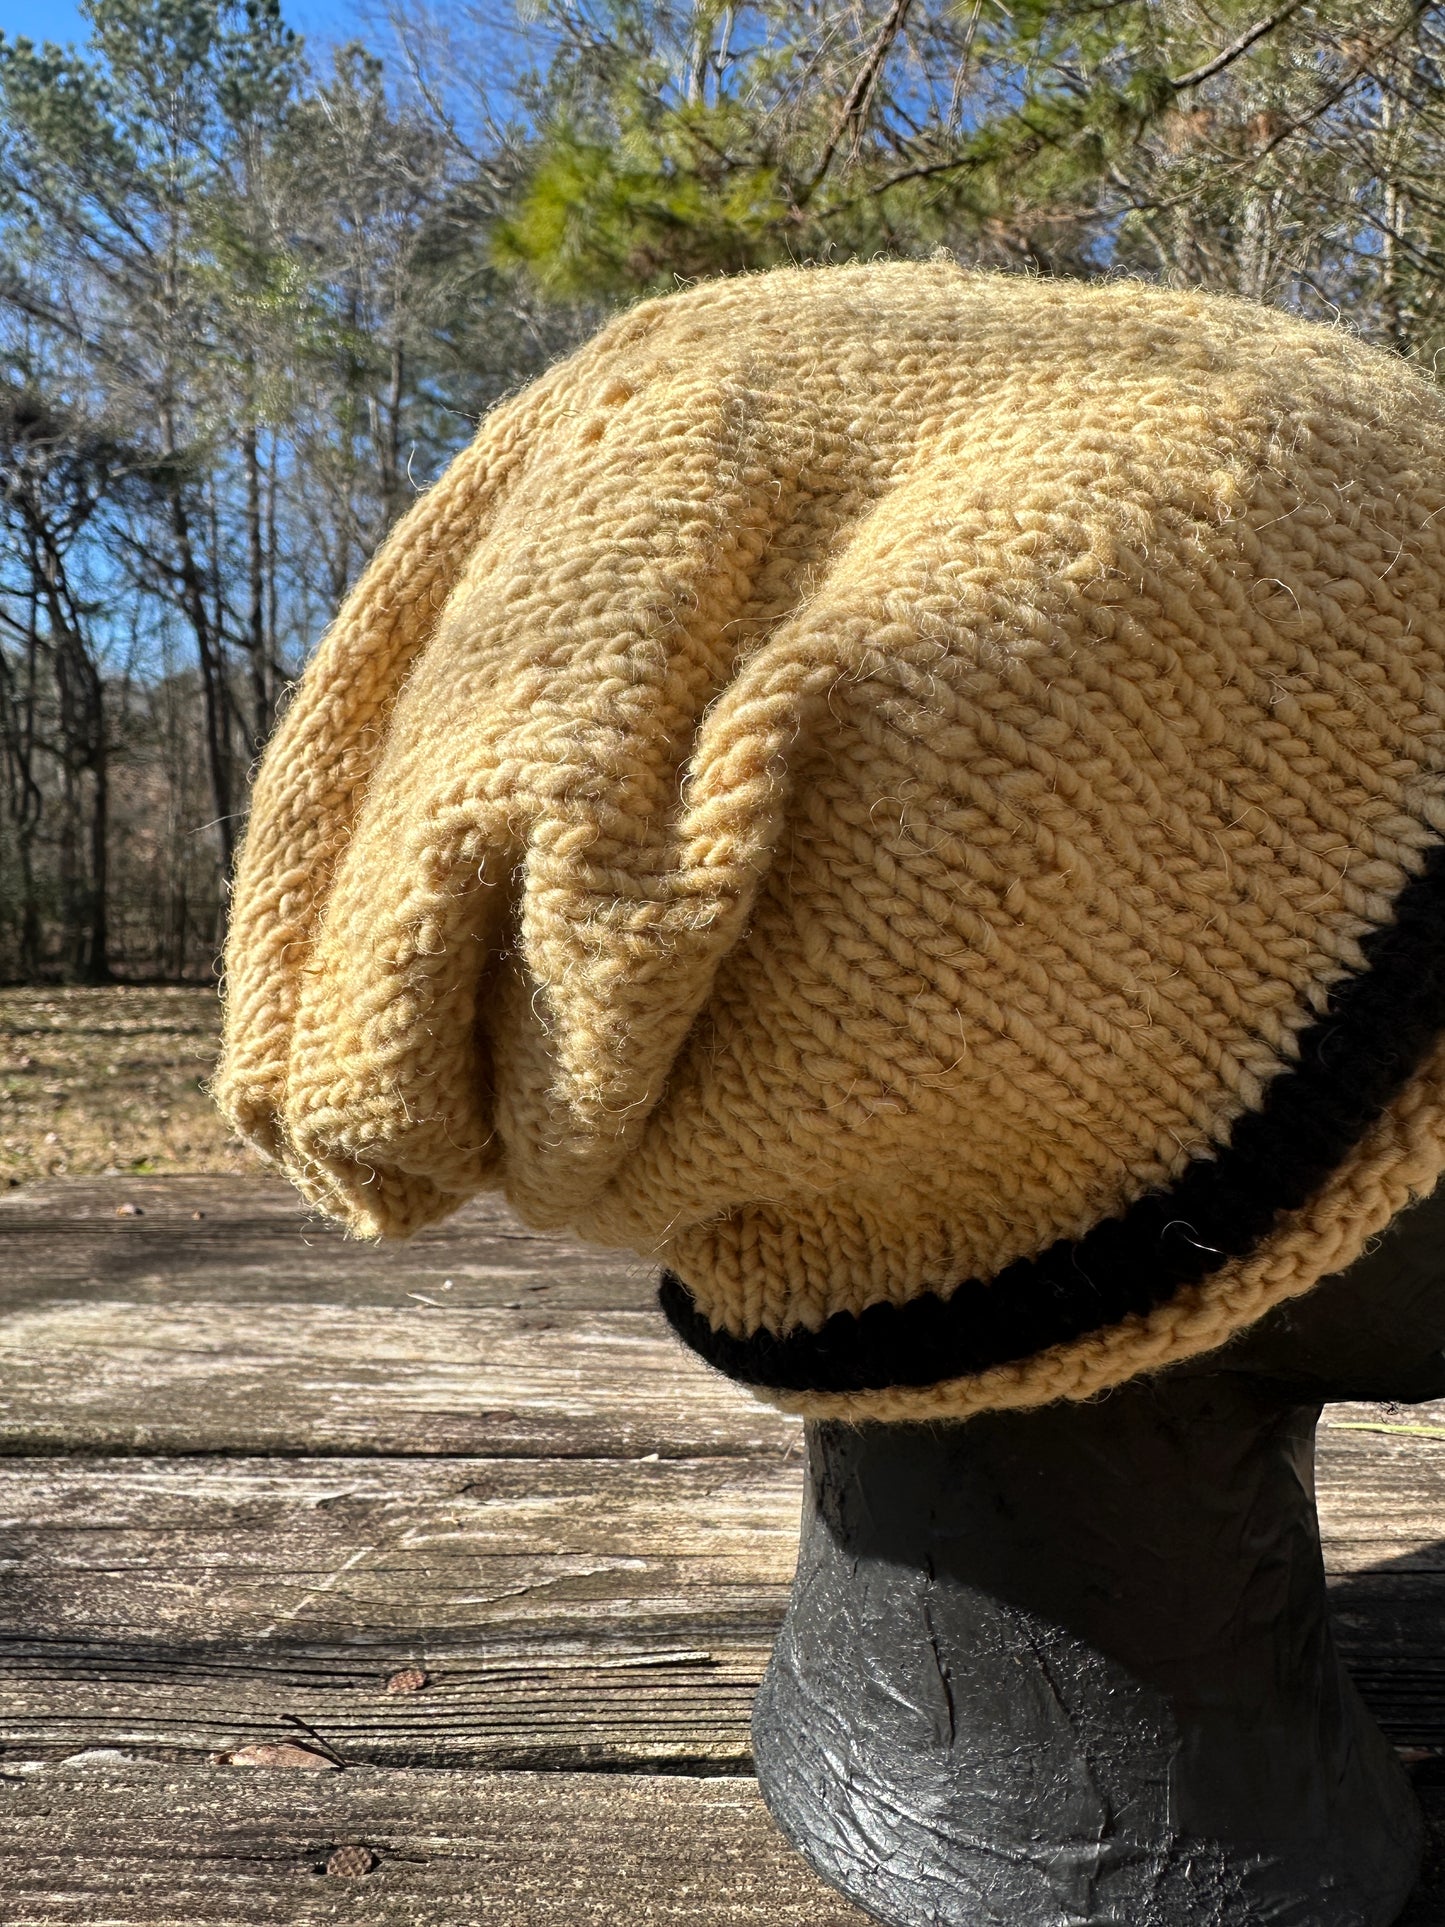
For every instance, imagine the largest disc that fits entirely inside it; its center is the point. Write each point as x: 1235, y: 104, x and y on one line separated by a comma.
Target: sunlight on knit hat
x: 912, y: 799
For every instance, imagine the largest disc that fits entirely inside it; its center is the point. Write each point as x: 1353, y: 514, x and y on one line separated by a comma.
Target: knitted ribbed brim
x: 913, y: 799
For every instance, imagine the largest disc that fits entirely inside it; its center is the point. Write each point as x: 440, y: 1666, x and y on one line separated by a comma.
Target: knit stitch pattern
x: 856, y: 777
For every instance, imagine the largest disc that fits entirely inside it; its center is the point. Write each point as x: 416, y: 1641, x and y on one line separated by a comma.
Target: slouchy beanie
x: 913, y: 798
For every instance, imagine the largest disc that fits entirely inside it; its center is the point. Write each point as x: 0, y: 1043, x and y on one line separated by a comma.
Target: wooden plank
x: 1382, y: 1510
x: 242, y: 1194
x: 189, y: 1606
x: 132, y: 1847
x: 207, y: 1377
x: 614, y: 1706
x: 1381, y: 1486
x: 250, y: 1241
x: 567, y: 1612
x: 176, y: 1370
x: 256, y: 1294
x: 258, y: 1329
x: 109, y: 1841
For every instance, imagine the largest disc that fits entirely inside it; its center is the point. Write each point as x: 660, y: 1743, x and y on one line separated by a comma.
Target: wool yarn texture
x: 912, y: 798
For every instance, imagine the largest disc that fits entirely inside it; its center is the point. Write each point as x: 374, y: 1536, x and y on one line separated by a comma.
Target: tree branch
x: 860, y: 94
x: 1249, y: 38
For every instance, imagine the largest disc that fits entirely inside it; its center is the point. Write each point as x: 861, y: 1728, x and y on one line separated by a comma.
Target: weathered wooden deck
x: 448, y: 1556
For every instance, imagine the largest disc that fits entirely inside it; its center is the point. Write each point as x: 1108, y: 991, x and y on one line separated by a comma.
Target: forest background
x: 254, y: 295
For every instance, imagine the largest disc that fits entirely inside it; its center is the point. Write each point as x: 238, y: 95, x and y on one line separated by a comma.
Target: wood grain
x: 208, y: 1377
x: 248, y: 1472
x: 244, y: 1241
x: 184, y: 1606
x: 258, y: 1329
x: 620, y: 1707
x: 568, y: 1613
x: 1381, y: 1488
x: 130, y: 1846
x: 208, y: 1848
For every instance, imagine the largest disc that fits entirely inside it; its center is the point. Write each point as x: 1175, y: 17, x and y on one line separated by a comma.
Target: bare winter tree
x: 251, y: 300
x: 57, y: 475
x: 273, y: 282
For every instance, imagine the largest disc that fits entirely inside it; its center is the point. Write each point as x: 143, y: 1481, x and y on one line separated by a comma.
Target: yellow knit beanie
x: 912, y: 798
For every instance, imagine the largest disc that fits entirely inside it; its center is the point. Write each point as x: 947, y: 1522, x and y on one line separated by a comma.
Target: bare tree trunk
x: 213, y: 679
x: 83, y: 748
x: 389, y: 451
x: 259, y: 655
x: 29, y: 946
x: 72, y: 940
x: 24, y: 797
x: 272, y: 571
x: 96, y: 965
x: 1392, y: 297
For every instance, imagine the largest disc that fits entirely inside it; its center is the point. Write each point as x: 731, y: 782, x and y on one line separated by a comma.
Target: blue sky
x: 60, y: 19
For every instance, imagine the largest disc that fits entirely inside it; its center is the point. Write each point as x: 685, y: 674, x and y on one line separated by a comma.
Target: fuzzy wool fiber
x: 855, y: 777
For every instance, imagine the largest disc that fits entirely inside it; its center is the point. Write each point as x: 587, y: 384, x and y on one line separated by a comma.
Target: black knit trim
x: 1352, y: 1063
